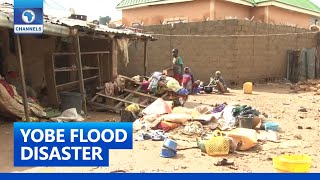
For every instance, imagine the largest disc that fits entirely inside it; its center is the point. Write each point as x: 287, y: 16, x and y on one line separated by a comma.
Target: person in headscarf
x: 220, y: 81
x: 187, y: 79
x: 177, y: 64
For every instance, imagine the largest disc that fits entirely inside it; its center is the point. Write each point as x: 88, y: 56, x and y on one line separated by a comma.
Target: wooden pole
x: 80, y: 72
x: 24, y: 95
x: 145, y: 62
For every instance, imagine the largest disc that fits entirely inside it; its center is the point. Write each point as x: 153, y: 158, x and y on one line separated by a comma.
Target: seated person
x: 220, y: 83
x: 196, y: 89
x: 161, y: 86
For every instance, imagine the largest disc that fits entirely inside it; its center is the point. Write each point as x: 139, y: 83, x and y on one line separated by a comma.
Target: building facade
x: 299, y: 13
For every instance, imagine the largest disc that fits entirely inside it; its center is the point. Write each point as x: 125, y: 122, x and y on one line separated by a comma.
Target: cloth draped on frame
x: 124, y: 44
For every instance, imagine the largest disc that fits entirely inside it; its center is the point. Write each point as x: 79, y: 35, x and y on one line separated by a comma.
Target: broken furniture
x: 131, y: 90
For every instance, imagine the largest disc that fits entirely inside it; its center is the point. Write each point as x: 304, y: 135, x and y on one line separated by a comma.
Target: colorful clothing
x: 187, y: 82
x: 177, y: 68
x: 8, y: 87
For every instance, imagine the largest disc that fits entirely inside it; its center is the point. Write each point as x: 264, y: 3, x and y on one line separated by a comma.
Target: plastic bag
x: 176, y: 118
x: 247, y: 137
x: 157, y: 107
x: 182, y: 110
x: 173, y: 85
x: 133, y: 108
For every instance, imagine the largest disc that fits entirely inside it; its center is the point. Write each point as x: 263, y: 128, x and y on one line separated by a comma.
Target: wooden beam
x: 114, y: 58
x: 82, y: 53
x: 122, y: 100
x: 24, y: 94
x: 126, y: 98
x: 79, y: 64
x: 145, y: 60
x: 99, y: 69
x: 140, y: 94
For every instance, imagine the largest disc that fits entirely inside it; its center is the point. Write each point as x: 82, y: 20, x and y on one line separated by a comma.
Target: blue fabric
x: 183, y: 91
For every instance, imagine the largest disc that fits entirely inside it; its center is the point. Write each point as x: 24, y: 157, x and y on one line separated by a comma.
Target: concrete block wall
x: 239, y: 58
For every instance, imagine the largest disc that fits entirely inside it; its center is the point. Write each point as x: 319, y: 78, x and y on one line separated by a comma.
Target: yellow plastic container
x: 248, y: 87
x: 292, y: 163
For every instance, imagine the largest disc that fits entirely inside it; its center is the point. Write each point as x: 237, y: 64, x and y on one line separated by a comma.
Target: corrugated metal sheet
x: 61, y: 25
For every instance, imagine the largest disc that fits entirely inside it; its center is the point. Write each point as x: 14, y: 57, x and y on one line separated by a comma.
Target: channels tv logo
x: 28, y: 17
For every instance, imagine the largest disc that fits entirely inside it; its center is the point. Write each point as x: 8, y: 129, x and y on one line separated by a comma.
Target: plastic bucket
x: 127, y: 116
x: 170, y: 144
x: 245, y: 122
x: 167, y: 153
x: 292, y: 163
x: 71, y: 100
x: 273, y: 126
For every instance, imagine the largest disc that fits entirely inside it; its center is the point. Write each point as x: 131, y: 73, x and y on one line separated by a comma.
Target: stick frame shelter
x: 23, y: 81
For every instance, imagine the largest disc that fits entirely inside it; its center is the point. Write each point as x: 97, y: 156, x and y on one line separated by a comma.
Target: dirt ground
x: 272, y: 98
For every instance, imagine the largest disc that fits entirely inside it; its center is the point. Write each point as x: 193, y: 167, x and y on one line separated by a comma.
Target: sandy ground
x: 273, y: 99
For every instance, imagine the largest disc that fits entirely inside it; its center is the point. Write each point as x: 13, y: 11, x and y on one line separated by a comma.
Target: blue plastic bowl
x: 167, y: 153
x: 273, y: 126
x: 170, y: 144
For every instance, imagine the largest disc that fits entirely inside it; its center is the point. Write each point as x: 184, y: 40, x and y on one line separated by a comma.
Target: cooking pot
x: 208, y: 89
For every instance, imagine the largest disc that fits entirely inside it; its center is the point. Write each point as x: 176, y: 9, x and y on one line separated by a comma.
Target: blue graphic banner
x: 156, y: 176
x: 69, y: 144
x: 28, y: 16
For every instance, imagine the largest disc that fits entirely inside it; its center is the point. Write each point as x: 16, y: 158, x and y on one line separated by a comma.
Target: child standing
x: 187, y: 79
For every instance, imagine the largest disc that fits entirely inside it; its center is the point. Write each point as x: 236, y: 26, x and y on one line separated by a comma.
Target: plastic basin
x: 271, y: 126
x: 167, y: 153
x: 246, y: 122
x: 170, y: 144
x: 292, y: 163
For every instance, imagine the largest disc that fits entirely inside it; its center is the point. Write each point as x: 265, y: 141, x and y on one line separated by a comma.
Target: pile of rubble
x: 309, y: 86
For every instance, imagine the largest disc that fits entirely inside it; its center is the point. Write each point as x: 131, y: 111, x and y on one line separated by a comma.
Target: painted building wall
x: 225, y: 9
x: 199, y: 10
x: 153, y: 15
x: 283, y: 16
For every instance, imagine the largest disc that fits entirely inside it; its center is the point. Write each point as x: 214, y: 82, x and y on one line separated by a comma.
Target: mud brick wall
x: 239, y: 58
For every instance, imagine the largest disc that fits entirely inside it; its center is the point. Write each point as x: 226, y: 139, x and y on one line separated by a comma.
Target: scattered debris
x: 224, y: 162
x: 298, y: 136
x: 118, y: 171
x: 302, y: 109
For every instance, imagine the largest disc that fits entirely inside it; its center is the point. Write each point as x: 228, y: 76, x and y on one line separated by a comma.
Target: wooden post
x: 99, y: 69
x: 24, y: 95
x: 114, y: 59
x: 80, y: 72
x: 145, y: 61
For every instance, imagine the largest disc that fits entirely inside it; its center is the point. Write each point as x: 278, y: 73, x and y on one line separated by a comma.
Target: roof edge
x: 152, y: 4
x: 289, y: 7
x: 242, y: 2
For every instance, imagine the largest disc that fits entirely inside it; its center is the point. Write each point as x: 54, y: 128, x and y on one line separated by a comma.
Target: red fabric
x: 13, y: 74
x: 8, y: 87
x: 178, y: 78
x: 167, y: 126
x: 185, y: 80
x: 145, y: 86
